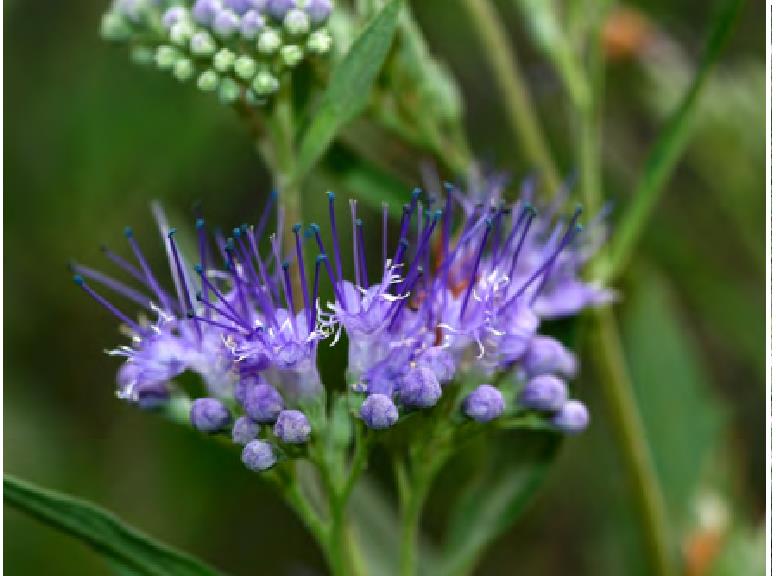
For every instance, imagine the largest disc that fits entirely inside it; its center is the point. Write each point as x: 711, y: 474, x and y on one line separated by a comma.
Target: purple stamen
x: 182, y: 286
x: 110, y: 307
x: 356, y: 260
x: 205, y: 282
x: 119, y: 287
x: 531, y: 214
x: 300, y: 261
x: 473, y: 277
x: 316, y: 230
x: 362, y: 253
x: 259, y: 232
x: 202, y: 236
x: 316, y: 282
x: 289, y: 296
x: 146, y: 269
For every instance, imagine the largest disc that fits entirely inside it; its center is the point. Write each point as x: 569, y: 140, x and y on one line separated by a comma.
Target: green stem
x: 631, y: 440
x: 513, y: 89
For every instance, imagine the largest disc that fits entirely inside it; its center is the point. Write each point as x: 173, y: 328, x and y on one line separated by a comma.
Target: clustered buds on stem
x: 456, y: 302
x: 236, y: 48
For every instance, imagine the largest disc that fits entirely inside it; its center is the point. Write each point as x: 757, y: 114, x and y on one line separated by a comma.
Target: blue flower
x: 258, y: 455
x: 209, y: 415
x: 484, y: 404
x: 292, y: 427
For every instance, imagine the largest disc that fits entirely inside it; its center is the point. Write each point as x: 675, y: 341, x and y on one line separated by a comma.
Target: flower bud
x: 226, y: 23
x: 279, y: 8
x: 209, y: 415
x: 318, y: 10
x: 258, y: 455
x: 252, y: 23
x: 545, y: 355
x: 546, y: 393
x: 174, y: 15
x: 379, y: 412
x: 246, y: 382
x: 484, y: 404
x: 207, y: 81
x: 141, y: 55
x: 296, y: 22
x: 114, y: 27
x: 205, y: 10
x: 292, y: 427
x: 291, y: 55
x: 441, y: 363
x: 202, y: 44
x: 183, y: 69
x: 166, y: 56
x: 223, y: 60
x: 245, y: 67
x: 319, y: 42
x: 181, y: 32
x: 419, y: 388
x: 228, y: 91
x: 132, y: 9
x: 263, y: 403
x: 244, y: 430
x: 572, y: 418
x: 269, y: 41
x: 239, y: 6
x: 265, y: 83
x: 150, y: 395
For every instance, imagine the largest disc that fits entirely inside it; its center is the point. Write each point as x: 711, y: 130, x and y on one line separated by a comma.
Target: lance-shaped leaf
x: 350, y: 86
x: 125, y: 547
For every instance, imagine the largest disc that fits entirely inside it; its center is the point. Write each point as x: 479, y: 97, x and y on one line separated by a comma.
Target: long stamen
x: 385, y: 232
x: 182, y: 286
x: 193, y: 316
x: 79, y: 280
x: 202, y: 237
x: 300, y: 264
x: 316, y: 230
x: 396, y: 311
x: 126, y: 266
x: 531, y: 214
x: 356, y: 260
x: 205, y: 282
x: 362, y: 253
x: 316, y: 282
x: 289, y: 296
x: 119, y: 287
x: 220, y: 311
x: 146, y: 269
x: 473, y: 277
x: 447, y: 220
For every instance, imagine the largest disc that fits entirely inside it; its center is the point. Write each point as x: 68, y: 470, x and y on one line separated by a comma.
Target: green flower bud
x: 319, y: 42
x: 202, y: 44
x: 166, y: 57
x: 291, y: 55
x: 207, y: 81
x: 223, y: 60
x: 269, y: 41
x: 245, y: 67
x: 265, y: 83
x: 114, y: 27
x: 296, y: 22
x: 181, y: 32
x: 228, y: 91
x: 183, y: 69
x: 141, y: 55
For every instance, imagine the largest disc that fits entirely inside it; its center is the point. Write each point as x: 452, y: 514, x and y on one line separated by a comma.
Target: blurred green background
x: 91, y: 139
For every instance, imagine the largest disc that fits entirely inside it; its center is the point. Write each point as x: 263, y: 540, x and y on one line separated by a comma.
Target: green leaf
x: 350, y: 86
x: 681, y: 419
x: 133, y: 551
x: 669, y: 147
x: 497, y: 497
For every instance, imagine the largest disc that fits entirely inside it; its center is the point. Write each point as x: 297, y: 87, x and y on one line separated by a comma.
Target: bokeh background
x: 90, y: 140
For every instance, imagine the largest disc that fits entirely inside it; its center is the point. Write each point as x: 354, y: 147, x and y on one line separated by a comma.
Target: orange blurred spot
x: 625, y: 33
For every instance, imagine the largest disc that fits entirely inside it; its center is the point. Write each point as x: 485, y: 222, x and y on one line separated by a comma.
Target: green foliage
x: 349, y: 87
x: 127, y: 548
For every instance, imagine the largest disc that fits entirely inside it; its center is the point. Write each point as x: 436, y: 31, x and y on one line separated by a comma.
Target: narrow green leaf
x: 134, y: 551
x: 497, y: 497
x: 669, y: 147
x: 350, y: 86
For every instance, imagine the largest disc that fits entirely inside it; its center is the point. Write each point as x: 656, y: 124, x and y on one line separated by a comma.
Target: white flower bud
x: 269, y: 41
x: 291, y: 55
x: 245, y: 67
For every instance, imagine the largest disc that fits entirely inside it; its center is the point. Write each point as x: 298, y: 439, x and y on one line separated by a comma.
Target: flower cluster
x: 236, y: 48
x: 458, y: 299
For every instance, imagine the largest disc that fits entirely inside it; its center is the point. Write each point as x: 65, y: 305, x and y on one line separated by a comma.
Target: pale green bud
x: 202, y: 44
x: 223, y: 60
x: 265, y: 83
x: 319, y: 42
x: 269, y: 41
x: 207, y: 81
x: 245, y: 67
x: 228, y: 91
x: 166, y: 57
x: 141, y: 55
x: 181, y: 32
x: 114, y: 27
x: 296, y: 22
x: 291, y: 55
x: 183, y: 69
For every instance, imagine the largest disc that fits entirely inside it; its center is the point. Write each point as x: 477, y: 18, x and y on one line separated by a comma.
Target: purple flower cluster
x: 463, y: 292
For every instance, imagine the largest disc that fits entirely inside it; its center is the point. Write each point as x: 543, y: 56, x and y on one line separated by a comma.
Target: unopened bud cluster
x: 234, y: 48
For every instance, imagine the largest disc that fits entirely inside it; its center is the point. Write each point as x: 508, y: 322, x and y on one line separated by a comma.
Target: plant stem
x: 630, y: 436
x: 513, y: 88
